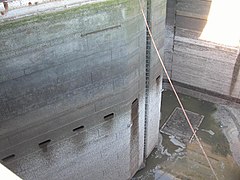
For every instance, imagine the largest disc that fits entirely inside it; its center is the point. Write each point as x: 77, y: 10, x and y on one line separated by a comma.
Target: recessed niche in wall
x: 134, y: 137
x: 135, y: 101
x: 78, y: 128
x: 109, y: 116
x: 134, y: 111
x: 158, y: 80
x: 8, y: 157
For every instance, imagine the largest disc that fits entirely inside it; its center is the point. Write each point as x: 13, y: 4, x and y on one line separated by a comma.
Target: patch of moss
x: 85, y: 9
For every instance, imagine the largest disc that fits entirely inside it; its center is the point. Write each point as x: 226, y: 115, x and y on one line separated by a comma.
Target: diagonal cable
x: 175, y: 92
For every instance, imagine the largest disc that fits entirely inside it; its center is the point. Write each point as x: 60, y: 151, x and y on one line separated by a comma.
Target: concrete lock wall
x: 201, y: 50
x: 157, y: 24
x: 73, y: 91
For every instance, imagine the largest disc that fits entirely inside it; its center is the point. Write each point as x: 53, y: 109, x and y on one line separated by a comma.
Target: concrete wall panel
x: 68, y: 79
x: 193, y: 61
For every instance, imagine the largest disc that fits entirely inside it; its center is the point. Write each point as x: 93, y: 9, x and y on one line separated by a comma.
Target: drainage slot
x: 158, y: 80
x: 109, y: 116
x: 44, y: 143
x: 8, y: 157
x: 78, y: 128
x: 135, y: 101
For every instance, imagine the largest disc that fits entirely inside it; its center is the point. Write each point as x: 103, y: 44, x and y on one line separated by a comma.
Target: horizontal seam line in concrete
x: 101, y: 30
x: 208, y: 92
x: 63, y: 113
x: 187, y: 53
x: 180, y: 14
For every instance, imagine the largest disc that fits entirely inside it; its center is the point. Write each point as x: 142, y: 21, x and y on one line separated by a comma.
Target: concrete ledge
x: 201, y: 93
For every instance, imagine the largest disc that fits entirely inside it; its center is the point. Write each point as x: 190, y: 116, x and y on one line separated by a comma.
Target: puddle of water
x: 189, y: 163
x: 218, y: 141
x: 168, y: 144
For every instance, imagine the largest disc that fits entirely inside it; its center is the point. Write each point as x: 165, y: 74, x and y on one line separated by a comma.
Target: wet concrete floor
x: 175, y: 160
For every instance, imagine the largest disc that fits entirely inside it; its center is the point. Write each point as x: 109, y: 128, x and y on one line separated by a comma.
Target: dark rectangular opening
x: 78, y: 128
x: 44, y: 143
x: 8, y: 157
x: 109, y: 116
x: 134, y: 141
x: 134, y: 110
x: 135, y: 102
x: 158, y: 80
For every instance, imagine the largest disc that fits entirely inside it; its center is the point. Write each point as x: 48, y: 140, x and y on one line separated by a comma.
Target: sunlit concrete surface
x: 223, y: 23
x: 202, y: 46
x: 22, y: 8
x: 6, y: 174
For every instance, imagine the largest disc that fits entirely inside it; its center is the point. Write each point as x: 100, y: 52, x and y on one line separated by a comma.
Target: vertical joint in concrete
x: 148, y: 60
x: 235, y: 73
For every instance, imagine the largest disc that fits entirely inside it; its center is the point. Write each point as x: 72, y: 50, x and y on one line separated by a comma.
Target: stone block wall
x: 68, y: 82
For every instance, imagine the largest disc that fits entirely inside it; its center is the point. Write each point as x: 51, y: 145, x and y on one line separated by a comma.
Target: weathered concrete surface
x: 192, y: 58
x: 229, y: 118
x: 177, y: 125
x: 158, y: 9
x: 68, y: 79
x: 188, y: 162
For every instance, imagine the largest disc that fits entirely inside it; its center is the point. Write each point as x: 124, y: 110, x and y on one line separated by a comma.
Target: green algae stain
x: 82, y: 10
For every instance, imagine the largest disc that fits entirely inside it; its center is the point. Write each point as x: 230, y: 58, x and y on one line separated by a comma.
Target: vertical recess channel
x: 147, y: 80
x: 134, y: 144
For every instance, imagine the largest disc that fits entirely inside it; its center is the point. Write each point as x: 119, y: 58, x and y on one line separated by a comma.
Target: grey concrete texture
x: 154, y: 115
x: 109, y: 138
x: 188, y: 8
x: 195, y: 62
x: 170, y: 14
x: 53, y: 75
x: 156, y: 74
x: 61, y: 73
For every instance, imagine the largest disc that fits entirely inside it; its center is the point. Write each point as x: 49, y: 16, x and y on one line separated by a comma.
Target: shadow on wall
x: 134, y: 141
x: 214, y: 20
x: 202, y: 44
x: 191, y: 17
x: 222, y: 27
x: 235, y: 73
x: 184, y: 19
